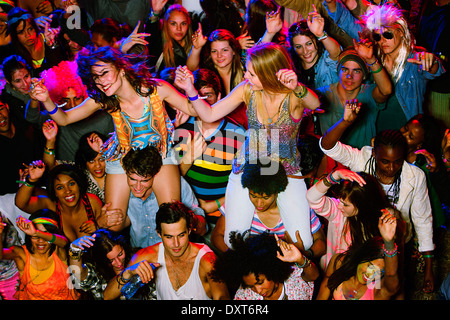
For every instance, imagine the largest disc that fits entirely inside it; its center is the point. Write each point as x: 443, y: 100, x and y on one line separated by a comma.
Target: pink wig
x: 61, y: 78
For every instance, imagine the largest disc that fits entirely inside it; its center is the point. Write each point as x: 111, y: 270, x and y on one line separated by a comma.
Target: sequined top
x: 277, y: 140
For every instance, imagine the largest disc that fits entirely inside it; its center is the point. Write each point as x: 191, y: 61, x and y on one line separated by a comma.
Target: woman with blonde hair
x: 171, y: 38
x: 275, y: 103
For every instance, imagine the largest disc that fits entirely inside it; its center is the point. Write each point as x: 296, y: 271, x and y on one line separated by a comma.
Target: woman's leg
x: 294, y: 211
x: 167, y: 184
x: 239, y: 210
x: 117, y: 191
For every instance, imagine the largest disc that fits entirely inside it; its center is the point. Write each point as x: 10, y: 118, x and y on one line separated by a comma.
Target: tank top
x: 152, y: 128
x: 191, y: 290
x: 368, y: 295
x: 87, y: 206
x: 54, y: 288
x: 277, y: 141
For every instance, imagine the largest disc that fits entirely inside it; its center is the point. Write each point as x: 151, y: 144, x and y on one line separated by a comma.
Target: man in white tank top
x: 182, y: 267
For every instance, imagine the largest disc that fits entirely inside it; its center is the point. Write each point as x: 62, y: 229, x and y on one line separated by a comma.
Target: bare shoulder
x: 149, y: 253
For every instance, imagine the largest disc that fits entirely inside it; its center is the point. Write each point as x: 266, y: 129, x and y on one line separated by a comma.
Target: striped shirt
x: 208, y: 175
x: 258, y: 227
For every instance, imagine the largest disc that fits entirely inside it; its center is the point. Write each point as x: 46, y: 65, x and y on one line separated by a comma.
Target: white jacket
x: 413, y: 201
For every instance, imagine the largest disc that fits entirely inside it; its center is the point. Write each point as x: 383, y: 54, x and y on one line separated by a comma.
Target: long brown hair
x: 136, y: 73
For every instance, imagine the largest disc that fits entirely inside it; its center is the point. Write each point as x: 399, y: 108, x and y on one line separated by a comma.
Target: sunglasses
x: 388, y: 35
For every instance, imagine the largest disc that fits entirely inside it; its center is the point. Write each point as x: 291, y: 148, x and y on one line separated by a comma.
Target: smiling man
x: 141, y: 165
x: 353, y: 68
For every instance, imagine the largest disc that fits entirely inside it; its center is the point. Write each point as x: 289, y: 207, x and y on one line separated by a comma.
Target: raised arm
x: 332, y: 136
x: 198, y: 42
x: 383, y: 90
x: 316, y: 24
x: 387, y: 225
x: 25, y: 200
x: 220, y: 109
x: 85, y: 109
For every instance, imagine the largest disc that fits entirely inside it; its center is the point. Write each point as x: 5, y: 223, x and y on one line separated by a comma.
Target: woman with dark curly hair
x: 265, y: 268
x: 124, y: 88
x: 66, y: 195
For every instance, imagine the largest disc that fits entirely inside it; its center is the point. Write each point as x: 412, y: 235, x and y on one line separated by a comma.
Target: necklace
x: 269, y: 118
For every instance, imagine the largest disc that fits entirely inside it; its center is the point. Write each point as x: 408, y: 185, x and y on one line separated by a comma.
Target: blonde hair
x: 390, y: 16
x: 267, y: 59
x: 168, y: 55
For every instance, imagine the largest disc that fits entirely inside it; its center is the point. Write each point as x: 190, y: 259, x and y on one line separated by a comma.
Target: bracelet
x: 153, y: 14
x: 330, y: 177
x: 53, y: 111
x: 218, y: 204
x: 428, y: 256
x: 376, y: 71
x: 323, y: 37
x: 326, y: 182
x: 28, y: 183
x: 390, y: 253
x: 75, y: 255
x: 371, y: 64
x: 193, y: 98
x: 304, y: 264
x: 52, y: 239
x: 49, y: 151
x: 303, y: 92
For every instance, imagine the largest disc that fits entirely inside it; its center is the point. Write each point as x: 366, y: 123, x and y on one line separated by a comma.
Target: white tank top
x: 191, y: 290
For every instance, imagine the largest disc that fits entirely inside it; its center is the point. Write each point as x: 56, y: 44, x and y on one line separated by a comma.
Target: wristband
x: 376, y: 71
x: 331, y: 178
x: 323, y: 37
x: 52, y: 239
x: 303, y: 92
x: 326, y: 182
x: 218, y: 204
x: 371, y: 64
x: 53, y: 111
x: 193, y: 98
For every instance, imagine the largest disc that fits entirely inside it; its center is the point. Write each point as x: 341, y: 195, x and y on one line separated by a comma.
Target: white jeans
x: 292, y: 203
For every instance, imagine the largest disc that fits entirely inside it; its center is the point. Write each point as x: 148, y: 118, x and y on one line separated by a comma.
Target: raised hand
x: 184, y: 79
x: 316, y: 22
x: 26, y: 226
x: 50, y: 129
x: 245, y: 41
x: 387, y: 225
x: 345, y: 174
x: 351, y: 110
x: 38, y: 90
x: 288, y: 78
x: 198, y: 39
x: 84, y: 242
x: 431, y: 160
x: 36, y: 170
x: 134, y: 38
x: 273, y: 22
x: 289, y: 252
x: 364, y: 48
x: 158, y: 5
x: 95, y: 142
x: 425, y: 59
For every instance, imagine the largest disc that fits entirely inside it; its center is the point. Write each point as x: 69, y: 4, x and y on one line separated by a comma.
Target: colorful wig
x: 61, y: 78
x: 390, y: 16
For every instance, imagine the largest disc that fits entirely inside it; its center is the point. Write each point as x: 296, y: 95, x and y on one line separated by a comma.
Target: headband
x: 45, y: 221
x: 25, y: 16
x: 7, y: 2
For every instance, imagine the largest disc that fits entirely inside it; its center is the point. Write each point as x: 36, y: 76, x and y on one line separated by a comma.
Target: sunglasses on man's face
x: 388, y: 35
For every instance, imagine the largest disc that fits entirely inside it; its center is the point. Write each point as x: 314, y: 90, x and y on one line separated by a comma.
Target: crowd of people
x: 227, y: 149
